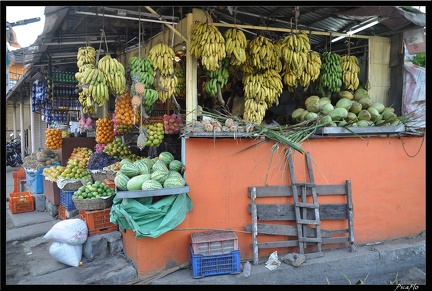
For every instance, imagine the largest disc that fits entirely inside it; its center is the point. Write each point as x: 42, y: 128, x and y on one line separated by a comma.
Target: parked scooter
x: 13, y: 152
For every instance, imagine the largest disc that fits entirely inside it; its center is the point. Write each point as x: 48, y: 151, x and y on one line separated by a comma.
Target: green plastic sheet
x: 149, y: 219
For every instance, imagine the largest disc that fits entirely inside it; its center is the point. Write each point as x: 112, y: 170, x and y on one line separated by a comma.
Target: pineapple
x: 139, y: 88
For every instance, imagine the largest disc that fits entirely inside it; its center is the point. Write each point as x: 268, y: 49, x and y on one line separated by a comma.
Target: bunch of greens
x: 419, y: 60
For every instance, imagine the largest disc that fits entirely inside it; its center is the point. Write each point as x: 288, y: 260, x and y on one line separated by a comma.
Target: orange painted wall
x: 388, y: 177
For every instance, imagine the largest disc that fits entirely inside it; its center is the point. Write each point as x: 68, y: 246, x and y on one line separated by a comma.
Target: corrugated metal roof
x: 69, y: 27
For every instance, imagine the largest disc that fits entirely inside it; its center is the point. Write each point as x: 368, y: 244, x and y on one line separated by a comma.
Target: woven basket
x: 93, y: 203
x: 98, y: 176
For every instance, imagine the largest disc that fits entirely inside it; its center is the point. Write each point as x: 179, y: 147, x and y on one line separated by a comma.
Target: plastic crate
x: 214, y: 242
x: 212, y: 265
x: 61, y: 212
x: 18, y: 176
x: 109, y: 183
x: 66, y: 199
x: 21, y: 202
x: 98, y: 221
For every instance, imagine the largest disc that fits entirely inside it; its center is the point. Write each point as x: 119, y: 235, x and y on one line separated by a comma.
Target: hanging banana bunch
x: 96, y: 91
x: 311, y: 70
x: 208, y: 44
x: 149, y: 98
x: 180, y: 89
x: 86, y: 59
x: 277, y: 48
x: 162, y: 57
x: 261, y: 90
x: 143, y: 68
x: 350, y: 70
x: 331, y: 72
x: 166, y: 86
x: 262, y: 54
x: 235, y: 45
x: 115, y: 74
x: 217, y: 79
x: 294, y: 52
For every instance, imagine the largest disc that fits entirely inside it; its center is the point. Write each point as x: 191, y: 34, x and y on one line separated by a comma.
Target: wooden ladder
x: 301, y: 206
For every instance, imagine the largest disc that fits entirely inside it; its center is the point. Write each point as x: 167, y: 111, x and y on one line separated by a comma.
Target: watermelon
x: 175, y: 165
x: 174, y: 182
x: 130, y: 170
x: 151, y: 185
x: 160, y: 165
x: 174, y: 174
x: 166, y: 157
x: 121, y: 180
x: 142, y: 166
x: 160, y: 176
x: 136, y: 182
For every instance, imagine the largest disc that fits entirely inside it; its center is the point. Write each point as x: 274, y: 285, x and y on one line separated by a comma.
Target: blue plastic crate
x: 212, y: 265
x: 66, y: 199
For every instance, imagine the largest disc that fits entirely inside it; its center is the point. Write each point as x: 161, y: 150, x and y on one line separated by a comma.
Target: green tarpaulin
x: 149, y: 219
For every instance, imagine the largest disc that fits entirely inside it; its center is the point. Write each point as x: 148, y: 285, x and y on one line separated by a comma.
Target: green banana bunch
x: 208, y: 44
x: 262, y: 55
x: 114, y: 72
x: 235, y: 45
x: 143, y: 68
x: 181, y: 81
x: 161, y: 56
x: 149, y: 99
x: 331, y: 72
x: 350, y: 70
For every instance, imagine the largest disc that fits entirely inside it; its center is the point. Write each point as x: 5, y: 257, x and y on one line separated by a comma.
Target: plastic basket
x: 66, y: 199
x: 214, y: 242
x: 21, y: 202
x: 61, y: 212
x: 98, y: 221
x: 93, y: 203
x: 212, y: 265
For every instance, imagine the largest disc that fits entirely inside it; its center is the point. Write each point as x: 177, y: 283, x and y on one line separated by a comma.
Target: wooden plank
x: 282, y: 191
x: 290, y: 230
x: 294, y: 242
x: 254, y: 228
x: 287, y: 212
x: 350, y: 209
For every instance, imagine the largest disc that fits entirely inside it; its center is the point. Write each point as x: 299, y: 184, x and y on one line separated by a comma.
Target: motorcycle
x: 13, y: 152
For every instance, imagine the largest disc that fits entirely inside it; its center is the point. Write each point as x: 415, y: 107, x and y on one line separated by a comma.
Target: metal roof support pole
x: 191, y: 73
x: 22, y: 122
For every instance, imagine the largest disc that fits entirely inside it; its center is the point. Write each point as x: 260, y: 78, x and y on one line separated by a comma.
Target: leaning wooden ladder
x: 301, y: 206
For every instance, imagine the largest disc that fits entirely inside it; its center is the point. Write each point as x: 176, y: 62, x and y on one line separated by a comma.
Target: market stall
x: 178, y: 170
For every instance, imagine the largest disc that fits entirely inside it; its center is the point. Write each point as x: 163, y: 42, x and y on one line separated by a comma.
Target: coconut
x: 388, y: 109
x: 360, y: 93
x: 378, y: 106
x: 342, y: 123
x: 366, y: 102
x: 343, y: 112
x: 335, y: 115
x: 356, y: 107
x: 323, y: 101
x: 387, y: 114
x: 380, y: 122
x: 296, y: 114
x: 326, y: 108
x: 344, y: 103
x: 364, y: 115
x: 326, y: 119
x: 310, y: 98
x: 302, y: 115
x: 310, y: 115
x: 374, y: 113
x: 313, y: 106
x: 362, y: 123
x: 346, y: 94
x: 351, y: 116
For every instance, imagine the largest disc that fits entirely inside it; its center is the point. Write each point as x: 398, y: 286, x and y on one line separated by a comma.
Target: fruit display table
x: 70, y: 143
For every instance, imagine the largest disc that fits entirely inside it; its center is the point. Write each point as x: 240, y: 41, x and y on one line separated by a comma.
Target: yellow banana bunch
x: 114, y: 72
x: 265, y: 86
x: 162, y: 57
x: 254, y: 110
x: 262, y: 55
x: 331, y: 72
x: 294, y: 50
x: 208, y: 44
x: 350, y: 70
x: 235, y: 45
x: 86, y: 55
x: 277, y: 48
x: 97, y: 90
x: 181, y: 81
x: 166, y: 86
